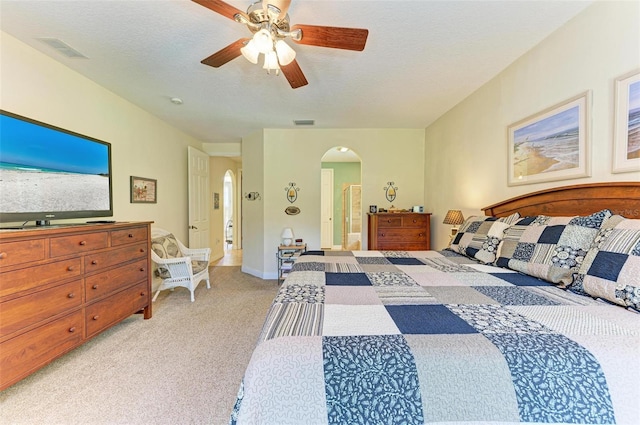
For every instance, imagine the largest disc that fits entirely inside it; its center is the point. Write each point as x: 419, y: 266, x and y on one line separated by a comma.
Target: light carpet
x: 183, y: 366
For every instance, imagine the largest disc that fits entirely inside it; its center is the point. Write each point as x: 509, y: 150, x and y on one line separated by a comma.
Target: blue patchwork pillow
x: 480, y: 237
x: 611, y: 268
x: 550, y: 248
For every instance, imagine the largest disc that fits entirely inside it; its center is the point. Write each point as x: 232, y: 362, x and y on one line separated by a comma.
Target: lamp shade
x: 287, y: 236
x: 453, y: 217
x: 271, y: 61
x: 250, y: 52
x: 286, y: 54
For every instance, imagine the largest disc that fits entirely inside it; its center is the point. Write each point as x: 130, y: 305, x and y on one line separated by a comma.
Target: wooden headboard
x: 583, y: 199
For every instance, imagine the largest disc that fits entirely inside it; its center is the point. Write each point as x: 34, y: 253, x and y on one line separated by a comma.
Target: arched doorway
x: 341, y: 206
x: 228, y: 210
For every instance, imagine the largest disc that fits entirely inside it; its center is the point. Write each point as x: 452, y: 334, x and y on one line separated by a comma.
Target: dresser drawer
x: 29, y: 351
x: 403, y: 245
x: 120, y: 305
x: 417, y: 220
x: 75, y: 244
x: 404, y: 234
x: 32, y: 277
x: 19, y: 313
x: 103, y: 283
x: 127, y: 236
x: 113, y: 257
x: 13, y: 253
x: 390, y: 221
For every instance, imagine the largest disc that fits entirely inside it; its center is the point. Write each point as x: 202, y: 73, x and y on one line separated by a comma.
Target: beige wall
x: 466, y: 149
x: 38, y: 87
x: 278, y: 157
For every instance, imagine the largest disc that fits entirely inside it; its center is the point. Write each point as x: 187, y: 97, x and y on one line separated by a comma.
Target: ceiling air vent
x: 304, y: 122
x: 62, y: 47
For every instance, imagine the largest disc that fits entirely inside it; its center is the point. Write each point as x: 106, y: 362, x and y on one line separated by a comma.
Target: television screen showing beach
x: 550, y: 144
x: 633, y: 141
x: 42, y: 169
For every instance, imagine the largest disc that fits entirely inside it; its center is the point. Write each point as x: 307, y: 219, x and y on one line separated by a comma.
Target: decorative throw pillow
x: 166, y: 246
x: 611, y: 268
x: 479, y: 236
x: 550, y: 248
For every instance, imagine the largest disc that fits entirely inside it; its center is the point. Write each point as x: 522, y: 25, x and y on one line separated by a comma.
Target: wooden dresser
x: 403, y: 231
x: 60, y: 286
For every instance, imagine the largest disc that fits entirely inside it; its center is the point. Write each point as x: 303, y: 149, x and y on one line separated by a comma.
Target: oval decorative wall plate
x: 292, y: 210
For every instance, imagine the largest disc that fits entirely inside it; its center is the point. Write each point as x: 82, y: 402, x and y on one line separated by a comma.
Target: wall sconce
x: 390, y: 191
x: 252, y: 196
x: 455, y: 218
x: 292, y: 192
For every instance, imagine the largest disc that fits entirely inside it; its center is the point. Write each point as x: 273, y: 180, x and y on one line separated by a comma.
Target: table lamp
x: 455, y: 218
x: 287, y: 236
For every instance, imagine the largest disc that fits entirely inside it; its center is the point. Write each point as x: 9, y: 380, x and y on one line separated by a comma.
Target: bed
x: 489, y: 330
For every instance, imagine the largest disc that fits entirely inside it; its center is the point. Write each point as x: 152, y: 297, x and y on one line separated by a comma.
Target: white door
x: 198, y: 199
x: 326, y: 208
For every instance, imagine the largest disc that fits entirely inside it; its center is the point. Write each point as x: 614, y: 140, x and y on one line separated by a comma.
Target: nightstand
x: 286, y: 256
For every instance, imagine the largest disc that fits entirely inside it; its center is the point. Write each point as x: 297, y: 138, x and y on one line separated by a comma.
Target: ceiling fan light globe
x: 250, y: 52
x: 271, y: 61
x: 263, y: 41
x: 286, y: 54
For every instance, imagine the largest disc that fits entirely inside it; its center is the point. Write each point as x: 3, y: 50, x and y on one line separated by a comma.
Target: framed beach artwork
x: 552, y: 144
x: 143, y: 190
x: 626, y: 138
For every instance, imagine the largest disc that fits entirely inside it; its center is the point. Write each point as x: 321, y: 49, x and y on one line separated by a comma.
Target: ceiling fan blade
x: 294, y: 74
x: 333, y: 37
x: 227, y: 54
x: 283, y: 5
x: 225, y: 9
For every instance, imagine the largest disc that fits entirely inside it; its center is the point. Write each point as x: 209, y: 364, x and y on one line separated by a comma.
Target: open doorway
x: 341, y: 206
x: 227, y: 211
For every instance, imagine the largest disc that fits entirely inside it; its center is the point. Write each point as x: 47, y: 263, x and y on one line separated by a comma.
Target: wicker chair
x: 178, y: 266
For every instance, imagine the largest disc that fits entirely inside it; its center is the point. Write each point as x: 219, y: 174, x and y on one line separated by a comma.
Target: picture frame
x: 626, y: 127
x: 144, y: 190
x: 373, y: 209
x: 553, y: 144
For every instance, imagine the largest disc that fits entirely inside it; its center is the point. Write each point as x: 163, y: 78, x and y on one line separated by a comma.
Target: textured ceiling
x: 421, y: 58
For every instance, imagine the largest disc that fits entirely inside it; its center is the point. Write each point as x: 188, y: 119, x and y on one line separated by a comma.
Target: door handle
x: 193, y: 227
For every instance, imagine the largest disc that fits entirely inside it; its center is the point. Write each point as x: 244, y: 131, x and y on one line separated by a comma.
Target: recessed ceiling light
x: 176, y: 101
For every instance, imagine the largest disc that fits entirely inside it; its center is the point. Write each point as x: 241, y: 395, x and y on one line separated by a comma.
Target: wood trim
x: 620, y: 197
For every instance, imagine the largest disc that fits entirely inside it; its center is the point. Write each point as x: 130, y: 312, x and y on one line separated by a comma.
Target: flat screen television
x: 48, y: 173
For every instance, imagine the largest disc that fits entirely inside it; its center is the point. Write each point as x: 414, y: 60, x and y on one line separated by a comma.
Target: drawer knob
x: 141, y: 269
x: 94, y: 287
x: 72, y: 329
x: 83, y: 243
x: 141, y: 249
x: 95, y: 317
x: 71, y: 295
x: 94, y: 262
x: 130, y: 235
x: 70, y: 268
x: 142, y: 294
x: 421, y: 234
x: 415, y: 221
x: 3, y: 255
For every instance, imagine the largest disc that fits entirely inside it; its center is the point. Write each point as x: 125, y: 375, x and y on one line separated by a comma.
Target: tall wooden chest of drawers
x: 403, y: 231
x: 60, y: 286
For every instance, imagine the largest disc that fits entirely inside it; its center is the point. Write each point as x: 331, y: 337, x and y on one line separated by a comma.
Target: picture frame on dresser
x: 626, y: 137
x: 551, y: 145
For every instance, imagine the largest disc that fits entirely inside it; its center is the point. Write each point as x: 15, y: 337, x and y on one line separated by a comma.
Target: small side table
x: 286, y: 256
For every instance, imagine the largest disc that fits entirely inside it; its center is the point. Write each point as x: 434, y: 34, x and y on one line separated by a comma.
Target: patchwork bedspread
x: 394, y: 337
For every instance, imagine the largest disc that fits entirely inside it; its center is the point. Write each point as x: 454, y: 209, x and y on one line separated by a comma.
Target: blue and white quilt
x: 417, y: 337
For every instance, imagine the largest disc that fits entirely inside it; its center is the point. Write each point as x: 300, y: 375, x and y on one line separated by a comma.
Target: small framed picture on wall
x: 373, y: 209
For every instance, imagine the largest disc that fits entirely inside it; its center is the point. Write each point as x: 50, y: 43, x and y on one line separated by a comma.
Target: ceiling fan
x: 269, y: 22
